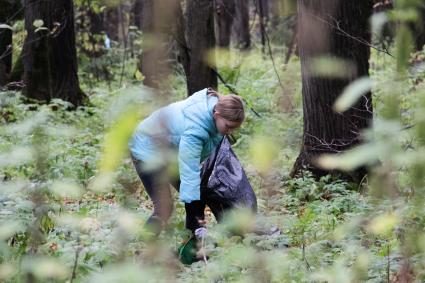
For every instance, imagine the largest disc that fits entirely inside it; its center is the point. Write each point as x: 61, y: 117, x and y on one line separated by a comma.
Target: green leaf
x: 352, y: 93
x: 404, y: 47
x: 67, y: 189
x: 352, y: 159
x: 332, y: 67
x: 404, y: 15
x: 17, y: 156
x: 13, y: 186
x: 5, y: 26
x: 116, y: 140
x: 8, y: 229
x: 38, y: 23
x: 7, y: 270
x: 383, y: 224
x: 263, y: 151
x: 378, y: 21
x: 45, y: 268
x: 40, y: 28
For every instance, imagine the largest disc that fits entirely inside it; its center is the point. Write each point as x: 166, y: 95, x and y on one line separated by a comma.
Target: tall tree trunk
x: 160, y: 21
x: 420, y: 29
x: 201, y: 41
x: 5, y: 55
x: 224, y: 14
x: 6, y: 10
x: 262, y: 6
x: 241, y: 30
x: 324, y: 130
x: 292, y: 45
x: 112, y: 24
x: 138, y: 13
x: 122, y: 25
x: 180, y: 37
x: 50, y: 59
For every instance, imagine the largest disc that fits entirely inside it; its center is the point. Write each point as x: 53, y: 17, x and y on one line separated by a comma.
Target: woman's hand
x: 201, y: 233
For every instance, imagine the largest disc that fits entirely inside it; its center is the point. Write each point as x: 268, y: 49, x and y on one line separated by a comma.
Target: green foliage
x: 62, y: 219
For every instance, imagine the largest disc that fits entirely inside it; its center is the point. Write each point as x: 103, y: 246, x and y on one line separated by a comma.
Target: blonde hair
x: 229, y: 106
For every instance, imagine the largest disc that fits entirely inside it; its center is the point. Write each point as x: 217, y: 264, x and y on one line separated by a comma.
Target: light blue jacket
x: 189, y: 127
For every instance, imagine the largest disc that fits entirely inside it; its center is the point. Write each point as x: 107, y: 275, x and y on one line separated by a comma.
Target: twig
x: 291, y: 45
x: 388, y: 262
x: 305, y: 259
x: 125, y: 35
x: 344, y: 33
x: 274, y: 64
x: 262, y: 27
x: 204, y: 256
x: 233, y: 90
x: 74, y: 268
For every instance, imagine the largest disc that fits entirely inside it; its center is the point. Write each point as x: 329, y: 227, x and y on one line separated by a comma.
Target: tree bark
x: 138, y: 13
x: 7, y: 9
x: 201, y: 40
x: 419, y: 31
x: 262, y: 6
x: 161, y: 21
x: 50, y: 59
x: 321, y: 23
x: 224, y: 15
x: 241, y: 24
x: 180, y: 37
x: 112, y: 24
x: 5, y: 55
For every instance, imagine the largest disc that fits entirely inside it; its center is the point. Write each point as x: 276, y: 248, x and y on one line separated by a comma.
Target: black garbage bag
x: 224, y: 184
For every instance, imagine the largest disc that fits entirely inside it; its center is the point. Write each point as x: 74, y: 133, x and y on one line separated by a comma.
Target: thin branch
x: 344, y: 33
x: 74, y: 268
x: 229, y: 87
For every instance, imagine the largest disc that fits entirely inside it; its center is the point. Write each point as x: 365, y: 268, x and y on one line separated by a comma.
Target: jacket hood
x: 199, y: 104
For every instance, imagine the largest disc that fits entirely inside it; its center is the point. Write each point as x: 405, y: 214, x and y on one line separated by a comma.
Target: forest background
x: 333, y: 143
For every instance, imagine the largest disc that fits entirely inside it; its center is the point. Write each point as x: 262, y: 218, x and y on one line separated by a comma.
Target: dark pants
x: 157, y: 186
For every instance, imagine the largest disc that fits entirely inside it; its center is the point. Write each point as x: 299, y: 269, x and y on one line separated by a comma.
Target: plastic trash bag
x: 224, y: 184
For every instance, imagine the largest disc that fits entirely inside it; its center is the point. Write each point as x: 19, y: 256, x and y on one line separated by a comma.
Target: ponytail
x: 230, y: 106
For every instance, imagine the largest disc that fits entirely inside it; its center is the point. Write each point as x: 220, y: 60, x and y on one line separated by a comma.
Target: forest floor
x: 90, y: 228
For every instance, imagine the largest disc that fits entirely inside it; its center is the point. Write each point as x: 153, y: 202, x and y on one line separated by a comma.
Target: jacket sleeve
x: 190, y: 150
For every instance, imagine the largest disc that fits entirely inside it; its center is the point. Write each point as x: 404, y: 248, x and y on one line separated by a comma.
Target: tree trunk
x: 262, y: 6
x: 138, y: 13
x: 50, y: 59
x: 420, y: 29
x: 241, y: 25
x: 224, y: 14
x: 5, y: 55
x: 122, y: 25
x: 201, y: 41
x: 112, y: 24
x: 180, y: 37
x: 161, y: 20
x: 327, y: 132
x: 7, y: 9
x: 292, y: 44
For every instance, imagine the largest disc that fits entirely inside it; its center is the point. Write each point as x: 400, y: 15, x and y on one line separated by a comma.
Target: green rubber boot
x: 187, y: 251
